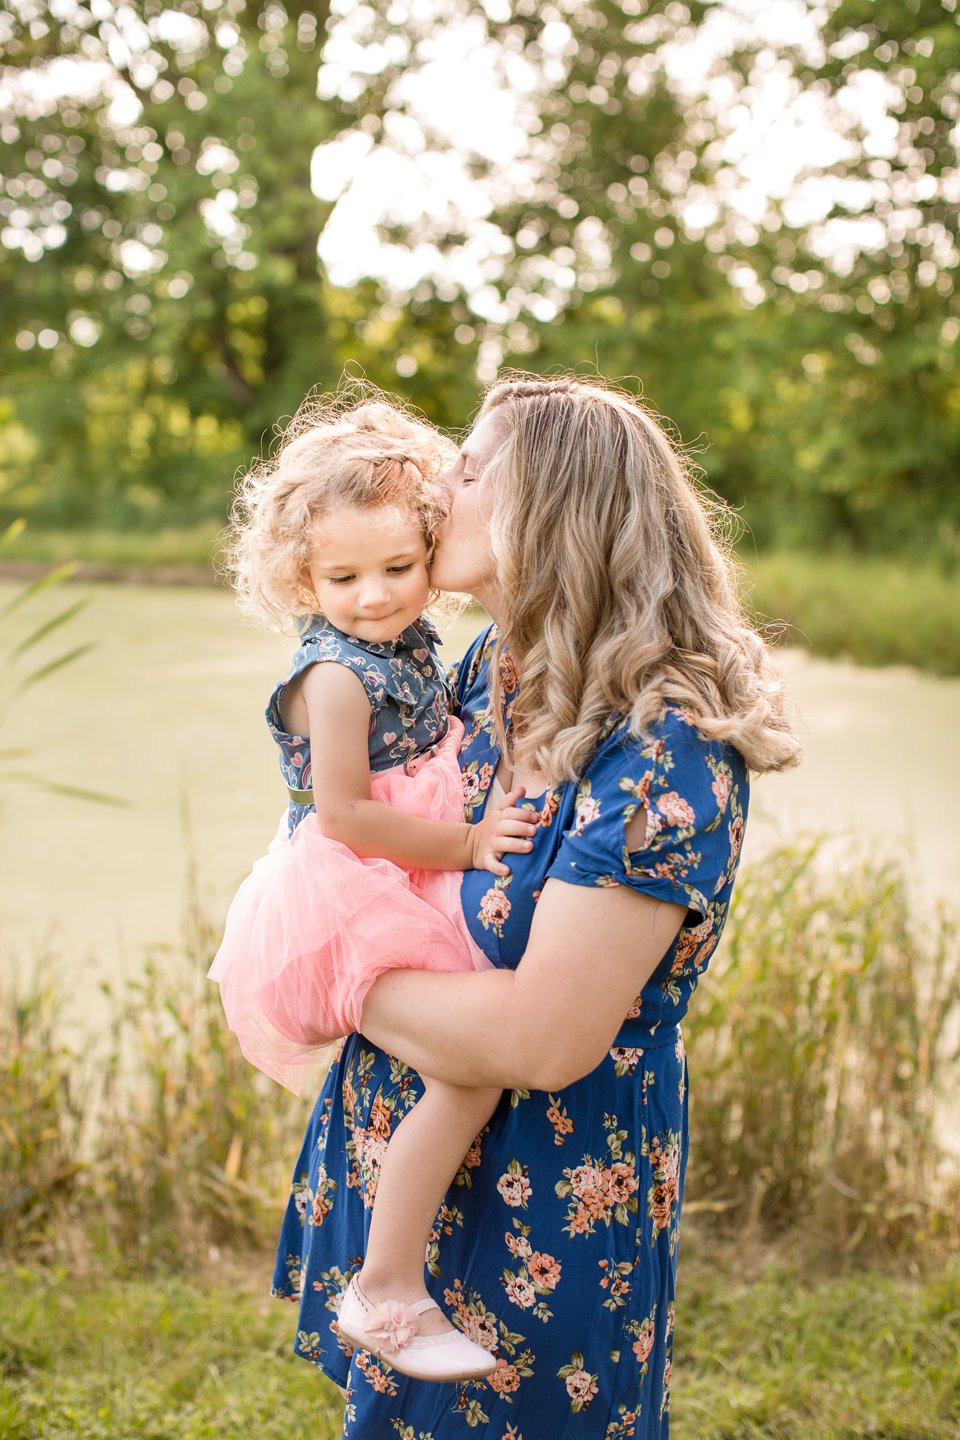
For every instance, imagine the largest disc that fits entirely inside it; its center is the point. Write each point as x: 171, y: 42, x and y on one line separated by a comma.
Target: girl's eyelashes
x: 391, y: 570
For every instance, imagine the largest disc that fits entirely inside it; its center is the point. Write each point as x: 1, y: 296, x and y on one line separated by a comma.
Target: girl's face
x: 464, y: 560
x: 368, y: 571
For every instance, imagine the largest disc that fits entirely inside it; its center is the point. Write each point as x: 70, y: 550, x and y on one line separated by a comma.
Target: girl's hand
x: 505, y: 829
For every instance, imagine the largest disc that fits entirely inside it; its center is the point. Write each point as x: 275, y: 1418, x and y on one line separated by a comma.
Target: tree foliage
x: 158, y: 250
x: 160, y: 247
x: 809, y: 348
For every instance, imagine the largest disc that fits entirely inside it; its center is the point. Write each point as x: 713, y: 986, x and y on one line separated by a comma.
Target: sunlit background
x: 748, y: 212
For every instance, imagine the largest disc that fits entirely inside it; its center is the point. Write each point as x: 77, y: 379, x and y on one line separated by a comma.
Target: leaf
x: 77, y: 792
x: 232, y: 1167
x: 12, y: 533
x: 48, y: 626
x: 72, y: 792
x: 45, y: 582
x: 53, y: 665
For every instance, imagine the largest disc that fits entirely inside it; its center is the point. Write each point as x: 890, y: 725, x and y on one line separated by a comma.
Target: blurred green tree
x: 812, y: 345
x: 878, y: 318
x: 159, y: 248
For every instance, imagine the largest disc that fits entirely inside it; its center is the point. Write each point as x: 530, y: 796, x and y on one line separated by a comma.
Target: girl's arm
x: 338, y: 723
x: 545, y: 1024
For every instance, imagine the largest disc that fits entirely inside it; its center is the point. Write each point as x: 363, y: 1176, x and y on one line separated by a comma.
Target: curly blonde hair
x: 358, y: 448
x: 618, y: 585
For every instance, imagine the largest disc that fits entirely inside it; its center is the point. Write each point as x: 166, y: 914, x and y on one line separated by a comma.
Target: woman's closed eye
x: 473, y: 473
x: 400, y: 569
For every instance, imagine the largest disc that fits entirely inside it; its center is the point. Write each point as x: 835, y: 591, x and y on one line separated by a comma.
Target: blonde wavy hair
x: 357, y: 448
x: 617, y: 582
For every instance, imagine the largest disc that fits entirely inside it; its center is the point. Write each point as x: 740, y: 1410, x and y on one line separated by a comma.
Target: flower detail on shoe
x: 393, y: 1324
x: 391, y: 1330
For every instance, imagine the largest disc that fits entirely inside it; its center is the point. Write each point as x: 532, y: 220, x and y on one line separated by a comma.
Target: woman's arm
x: 338, y: 715
x: 549, y: 1022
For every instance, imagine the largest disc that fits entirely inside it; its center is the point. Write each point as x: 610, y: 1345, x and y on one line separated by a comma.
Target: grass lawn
x: 153, y: 1359
x: 869, y: 1355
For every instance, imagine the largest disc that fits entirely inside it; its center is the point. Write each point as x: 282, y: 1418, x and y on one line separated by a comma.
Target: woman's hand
x: 505, y: 830
x: 547, y: 1023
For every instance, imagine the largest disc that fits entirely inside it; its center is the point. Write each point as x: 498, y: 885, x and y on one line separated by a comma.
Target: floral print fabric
x: 405, y: 685
x: 556, y: 1245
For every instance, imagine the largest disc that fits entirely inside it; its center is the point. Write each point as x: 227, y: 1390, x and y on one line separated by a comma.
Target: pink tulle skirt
x: 314, y: 925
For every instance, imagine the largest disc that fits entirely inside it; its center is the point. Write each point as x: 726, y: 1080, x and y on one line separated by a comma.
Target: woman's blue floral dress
x: 557, y: 1242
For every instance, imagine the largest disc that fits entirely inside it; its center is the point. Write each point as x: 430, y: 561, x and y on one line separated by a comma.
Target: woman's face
x: 464, y: 560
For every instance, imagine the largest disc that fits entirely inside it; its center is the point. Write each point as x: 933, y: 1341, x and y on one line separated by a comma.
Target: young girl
x: 336, y: 532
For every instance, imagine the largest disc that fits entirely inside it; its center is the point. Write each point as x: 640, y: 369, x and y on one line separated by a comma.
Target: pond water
x: 166, y: 713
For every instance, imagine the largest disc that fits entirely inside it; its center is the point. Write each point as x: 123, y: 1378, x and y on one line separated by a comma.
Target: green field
x: 875, y: 610
x: 761, y: 1354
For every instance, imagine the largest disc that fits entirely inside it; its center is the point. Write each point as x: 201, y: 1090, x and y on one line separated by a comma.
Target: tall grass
x: 43, y: 1109
x: 155, y: 1147
x: 820, y: 1048
x: 164, y: 1140
x: 824, y: 1047
x: 113, y: 551
x: 206, y: 1141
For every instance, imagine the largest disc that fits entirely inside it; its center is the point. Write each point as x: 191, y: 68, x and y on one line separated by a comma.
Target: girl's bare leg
x: 423, y: 1156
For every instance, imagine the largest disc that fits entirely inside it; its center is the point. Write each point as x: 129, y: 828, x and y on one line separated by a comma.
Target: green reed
x: 823, y: 1044
x: 155, y: 1145
x: 206, y: 1143
x: 43, y: 1105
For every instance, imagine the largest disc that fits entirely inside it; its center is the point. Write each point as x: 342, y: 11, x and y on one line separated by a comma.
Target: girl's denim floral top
x: 406, y: 687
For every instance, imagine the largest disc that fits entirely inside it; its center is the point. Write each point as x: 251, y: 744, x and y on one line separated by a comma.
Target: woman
x: 621, y: 687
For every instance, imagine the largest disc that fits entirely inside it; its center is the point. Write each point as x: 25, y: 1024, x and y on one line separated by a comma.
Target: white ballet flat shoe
x: 389, y: 1331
